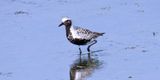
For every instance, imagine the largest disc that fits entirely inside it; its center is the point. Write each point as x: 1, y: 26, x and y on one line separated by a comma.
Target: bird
x: 78, y: 35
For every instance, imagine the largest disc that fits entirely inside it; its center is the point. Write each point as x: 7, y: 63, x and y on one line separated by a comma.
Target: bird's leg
x: 80, y: 51
x: 89, y: 56
x: 94, y: 42
x: 80, y: 59
x: 89, y: 59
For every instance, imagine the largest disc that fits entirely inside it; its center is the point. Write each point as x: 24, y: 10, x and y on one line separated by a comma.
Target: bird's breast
x: 78, y: 41
x: 75, y: 38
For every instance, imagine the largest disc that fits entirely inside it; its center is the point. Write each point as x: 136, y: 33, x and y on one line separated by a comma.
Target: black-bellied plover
x: 78, y: 35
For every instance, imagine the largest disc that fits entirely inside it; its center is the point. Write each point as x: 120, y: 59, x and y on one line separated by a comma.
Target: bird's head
x: 66, y: 22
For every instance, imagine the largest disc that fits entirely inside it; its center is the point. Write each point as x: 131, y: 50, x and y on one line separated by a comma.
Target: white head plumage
x: 65, y: 19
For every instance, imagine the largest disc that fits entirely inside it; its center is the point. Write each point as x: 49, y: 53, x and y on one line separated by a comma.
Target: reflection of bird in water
x: 83, y: 67
x: 78, y: 35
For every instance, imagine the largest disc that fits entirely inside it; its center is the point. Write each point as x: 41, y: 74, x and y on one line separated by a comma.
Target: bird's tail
x: 101, y: 34
x: 98, y: 34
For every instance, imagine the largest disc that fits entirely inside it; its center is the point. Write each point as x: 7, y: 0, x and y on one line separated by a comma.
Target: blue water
x: 33, y: 47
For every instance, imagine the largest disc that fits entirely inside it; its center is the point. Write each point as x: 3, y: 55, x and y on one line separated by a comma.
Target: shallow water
x: 33, y: 47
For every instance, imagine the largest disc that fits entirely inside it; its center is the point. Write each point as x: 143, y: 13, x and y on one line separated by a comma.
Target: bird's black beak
x: 61, y: 24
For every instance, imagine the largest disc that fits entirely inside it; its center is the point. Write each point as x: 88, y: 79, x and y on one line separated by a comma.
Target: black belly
x: 79, y: 41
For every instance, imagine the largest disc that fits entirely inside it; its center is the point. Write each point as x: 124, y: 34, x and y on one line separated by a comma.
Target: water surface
x: 33, y: 47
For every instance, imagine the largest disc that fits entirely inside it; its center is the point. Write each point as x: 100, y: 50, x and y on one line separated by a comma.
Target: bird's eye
x: 68, y: 21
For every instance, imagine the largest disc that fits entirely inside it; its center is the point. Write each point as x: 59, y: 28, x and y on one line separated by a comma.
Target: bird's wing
x: 85, y: 33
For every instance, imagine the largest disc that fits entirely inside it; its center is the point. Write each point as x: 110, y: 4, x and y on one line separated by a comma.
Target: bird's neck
x: 68, y: 30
